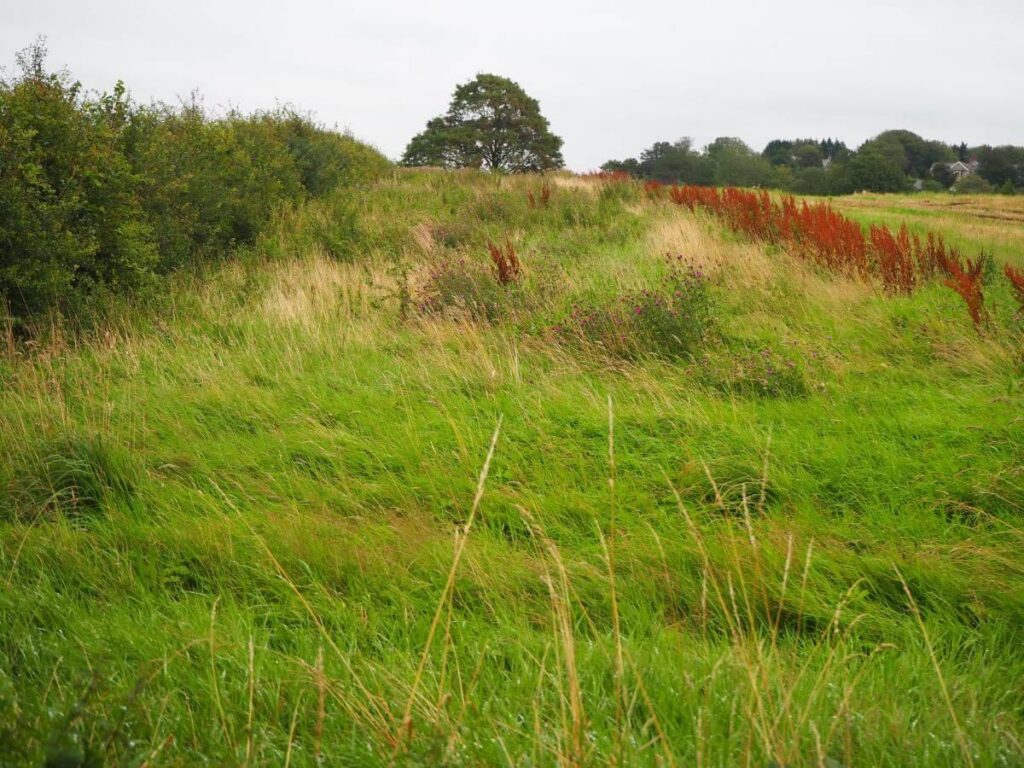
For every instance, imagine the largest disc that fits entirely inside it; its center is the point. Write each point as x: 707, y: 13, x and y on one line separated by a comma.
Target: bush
x: 99, y: 195
x: 972, y: 184
x: 672, y: 320
x: 69, y: 216
x: 455, y: 285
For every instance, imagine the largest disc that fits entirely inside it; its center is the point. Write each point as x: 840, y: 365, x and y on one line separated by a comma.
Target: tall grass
x: 273, y: 523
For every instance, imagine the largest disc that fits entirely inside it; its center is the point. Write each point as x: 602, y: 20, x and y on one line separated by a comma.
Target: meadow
x: 452, y: 468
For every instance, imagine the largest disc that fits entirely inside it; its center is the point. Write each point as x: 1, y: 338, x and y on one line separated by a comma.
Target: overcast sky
x: 612, y: 77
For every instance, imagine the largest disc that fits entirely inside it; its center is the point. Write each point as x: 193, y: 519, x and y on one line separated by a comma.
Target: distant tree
x: 811, y: 181
x: 875, y: 170
x: 736, y: 164
x: 630, y: 165
x: 782, y: 177
x: 962, y: 152
x: 914, y: 154
x: 675, y: 162
x: 778, y: 152
x: 941, y: 174
x: 491, y: 123
x: 831, y: 148
x: 999, y: 165
x: 807, y: 155
x: 802, y: 153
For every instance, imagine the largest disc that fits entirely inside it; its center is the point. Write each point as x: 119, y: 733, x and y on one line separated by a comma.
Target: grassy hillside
x: 351, y: 499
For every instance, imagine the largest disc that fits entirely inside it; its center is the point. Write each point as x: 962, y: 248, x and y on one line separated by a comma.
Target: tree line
x: 892, y: 161
x: 100, y: 195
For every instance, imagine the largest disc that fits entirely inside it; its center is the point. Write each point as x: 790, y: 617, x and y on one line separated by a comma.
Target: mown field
x: 351, y: 499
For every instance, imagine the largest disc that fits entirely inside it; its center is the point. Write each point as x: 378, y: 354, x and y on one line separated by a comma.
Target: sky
x: 612, y: 77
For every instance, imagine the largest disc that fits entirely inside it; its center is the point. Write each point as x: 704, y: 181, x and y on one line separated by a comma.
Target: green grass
x: 227, y: 526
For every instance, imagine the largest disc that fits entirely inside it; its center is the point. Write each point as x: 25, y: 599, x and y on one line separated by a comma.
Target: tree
x: 943, y: 175
x: 491, y: 123
x: 630, y: 165
x: 999, y: 165
x: 807, y: 156
x: 875, y: 170
x: 736, y: 164
x: 778, y: 152
x: 914, y: 154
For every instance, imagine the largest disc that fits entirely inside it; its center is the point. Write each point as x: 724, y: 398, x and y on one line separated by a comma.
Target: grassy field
x: 347, y: 500
x: 992, y: 222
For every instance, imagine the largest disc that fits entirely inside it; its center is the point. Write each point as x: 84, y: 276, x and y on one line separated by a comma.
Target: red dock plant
x: 1016, y: 278
x: 819, y: 233
x: 544, y: 198
x: 606, y: 177
x: 654, y: 189
x: 507, y: 268
x: 965, y: 279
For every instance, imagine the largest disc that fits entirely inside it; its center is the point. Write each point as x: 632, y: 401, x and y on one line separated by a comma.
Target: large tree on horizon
x: 491, y: 123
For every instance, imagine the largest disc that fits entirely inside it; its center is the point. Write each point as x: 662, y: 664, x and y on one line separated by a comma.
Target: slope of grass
x: 264, y: 526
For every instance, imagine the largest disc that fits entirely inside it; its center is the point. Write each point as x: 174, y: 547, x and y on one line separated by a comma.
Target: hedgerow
x: 99, y: 194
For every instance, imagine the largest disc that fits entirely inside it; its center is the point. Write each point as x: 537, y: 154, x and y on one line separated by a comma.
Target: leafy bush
x: 972, y: 184
x: 98, y: 194
x: 69, y: 218
x: 330, y: 225
x: 672, y: 320
x: 455, y: 285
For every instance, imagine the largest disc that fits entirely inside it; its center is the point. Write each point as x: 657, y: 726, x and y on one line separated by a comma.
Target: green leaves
x: 99, y: 194
x: 491, y: 123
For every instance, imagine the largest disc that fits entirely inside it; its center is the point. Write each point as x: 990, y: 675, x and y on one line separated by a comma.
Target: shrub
x: 100, y: 196
x: 455, y: 285
x: 208, y: 185
x: 966, y: 279
x: 671, y: 321
x: 1016, y: 278
x: 69, y: 219
x: 331, y: 225
x: 972, y: 184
